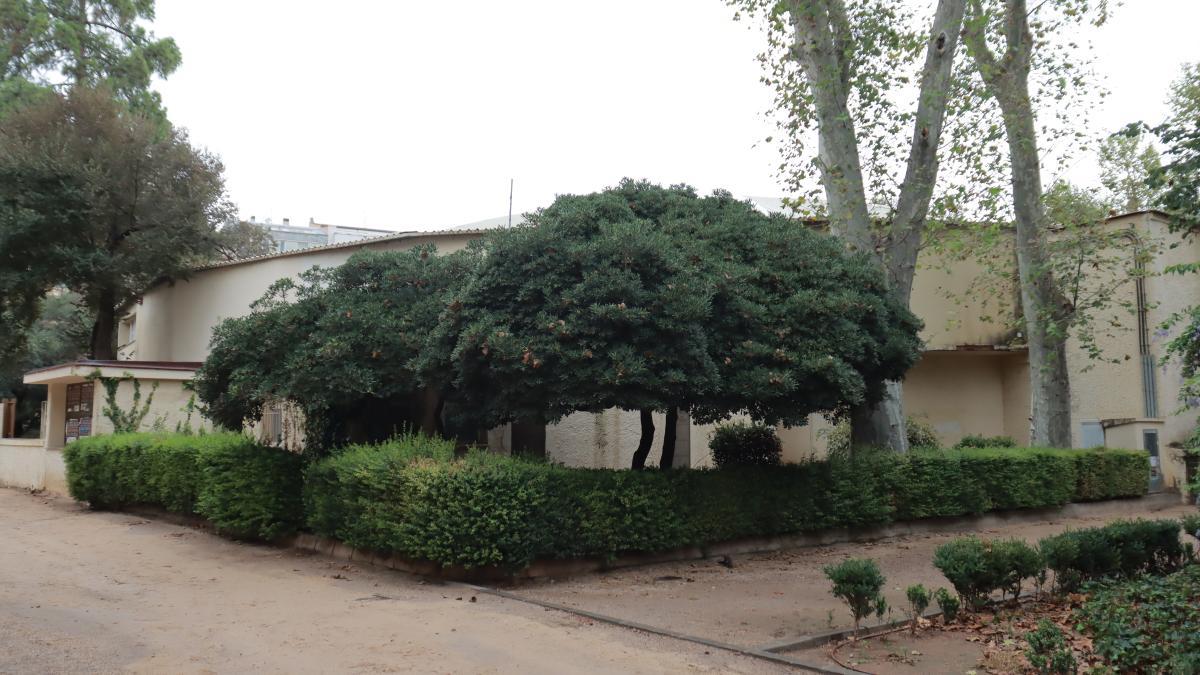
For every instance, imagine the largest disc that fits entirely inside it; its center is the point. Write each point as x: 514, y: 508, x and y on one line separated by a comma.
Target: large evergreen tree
x: 103, y: 201
x: 341, y: 345
x: 85, y: 43
x: 644, y: 298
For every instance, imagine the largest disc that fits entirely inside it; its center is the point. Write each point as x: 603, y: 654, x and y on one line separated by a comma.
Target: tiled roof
x: 357, y: 243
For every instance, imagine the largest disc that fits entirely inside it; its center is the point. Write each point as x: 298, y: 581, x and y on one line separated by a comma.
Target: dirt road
x: 93, y: 592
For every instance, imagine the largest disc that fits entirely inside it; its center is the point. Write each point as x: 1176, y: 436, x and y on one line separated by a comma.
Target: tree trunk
x: 1046, y: 312
x: 646, y: 441
x: 1044, y: 307
x: 104, y: 329
x: 817, y: 30
x: 670, y: 433
x: 881, y: 425
x: 431, y: 411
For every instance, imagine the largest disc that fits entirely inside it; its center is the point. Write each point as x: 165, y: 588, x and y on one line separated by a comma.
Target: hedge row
x: 412, y: 496
x: 243, y: 489
x: 492, y: 510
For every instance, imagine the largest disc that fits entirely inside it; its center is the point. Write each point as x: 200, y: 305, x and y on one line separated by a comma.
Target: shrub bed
x: 408, y: 497
x: 1121, y: 548
x: 243, y: 488
x: 1149, y: 624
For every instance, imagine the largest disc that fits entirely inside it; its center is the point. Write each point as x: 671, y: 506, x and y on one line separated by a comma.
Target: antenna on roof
x: 510, y: 191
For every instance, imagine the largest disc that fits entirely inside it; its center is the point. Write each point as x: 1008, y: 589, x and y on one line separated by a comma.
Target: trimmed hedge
x: 1122, y: 548
x: 493, y: 510
x: 244, y: 489
x: 413, y: 497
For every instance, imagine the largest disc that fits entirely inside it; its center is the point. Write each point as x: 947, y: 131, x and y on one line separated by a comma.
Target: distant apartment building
x: 290, y: 237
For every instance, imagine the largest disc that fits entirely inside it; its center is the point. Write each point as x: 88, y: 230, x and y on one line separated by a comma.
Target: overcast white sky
x: 414, y: 115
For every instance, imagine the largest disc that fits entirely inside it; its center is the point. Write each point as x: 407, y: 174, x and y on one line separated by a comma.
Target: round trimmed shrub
x: 741, y: 444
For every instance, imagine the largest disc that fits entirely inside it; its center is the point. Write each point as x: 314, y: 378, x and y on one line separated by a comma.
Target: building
x: 972, y: 379
x: 288, y: 237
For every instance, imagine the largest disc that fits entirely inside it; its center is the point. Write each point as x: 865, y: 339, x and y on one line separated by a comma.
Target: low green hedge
x: 412, y: 496
x: 1122, y: 548
x: 244, y: 489
x: 492, y: 510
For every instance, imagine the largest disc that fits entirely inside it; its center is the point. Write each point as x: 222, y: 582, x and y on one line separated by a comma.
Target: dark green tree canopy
x: 103, y: 201
x: 334, y: 341
x: 588, y: 307
x: 648, y: 297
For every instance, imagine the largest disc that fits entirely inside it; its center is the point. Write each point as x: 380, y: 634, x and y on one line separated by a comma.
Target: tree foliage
x: 588, y: 307
x: 846, y: 73
x: 1179, y: 177
x: 341, y: 344
x: 649, y: 298
x: 59, y: 333
x: 1126, y: 164
x: 1179, y: 180
x: 238, y: 239
x: 103, y: 201
x: 88, y: 43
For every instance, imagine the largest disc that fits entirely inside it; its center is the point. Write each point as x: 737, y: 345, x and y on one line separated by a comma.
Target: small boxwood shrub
x: 973, y: 441
x: 1191, y: 525
x: 977, y: 567
x: 1121, y: 548
x: 243, y: 488
x: 859, y: 583
x: 742, y: 444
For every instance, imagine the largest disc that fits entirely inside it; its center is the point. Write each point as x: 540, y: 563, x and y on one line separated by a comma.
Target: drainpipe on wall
x: 1149, y: 385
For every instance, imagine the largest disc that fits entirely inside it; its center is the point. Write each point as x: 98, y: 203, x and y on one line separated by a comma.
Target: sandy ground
x: 900, y: 654
x: 769, y: 597
x: 94, y: 592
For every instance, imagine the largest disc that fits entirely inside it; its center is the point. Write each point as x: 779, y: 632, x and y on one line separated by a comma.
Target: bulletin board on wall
x: 80, y: 398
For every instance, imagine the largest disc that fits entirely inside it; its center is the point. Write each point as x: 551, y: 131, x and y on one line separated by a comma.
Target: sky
x: 409, y: 115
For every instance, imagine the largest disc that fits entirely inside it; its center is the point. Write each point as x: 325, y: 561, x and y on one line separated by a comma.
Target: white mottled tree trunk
x: 1046, y: 311
x: 821, y: 48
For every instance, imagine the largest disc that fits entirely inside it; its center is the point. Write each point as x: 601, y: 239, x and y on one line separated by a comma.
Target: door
x: 1150, y: 445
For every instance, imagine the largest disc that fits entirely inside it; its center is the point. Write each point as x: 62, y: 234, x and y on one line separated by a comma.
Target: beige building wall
x: 168, y: 410
x: 175, y: 321
x: 959, y: 386
x: 960, y: 302
x: 1169, y: 294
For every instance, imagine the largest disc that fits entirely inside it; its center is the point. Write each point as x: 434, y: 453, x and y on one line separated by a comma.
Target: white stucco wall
x: 175, y: 321
x: 609, y: 439
x: 22, y: 463
x: 167, y: 409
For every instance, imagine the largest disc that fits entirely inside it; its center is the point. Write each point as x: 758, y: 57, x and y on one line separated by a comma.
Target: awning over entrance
x: 78, y: 371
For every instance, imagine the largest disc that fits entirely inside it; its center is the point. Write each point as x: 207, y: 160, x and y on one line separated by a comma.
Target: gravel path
x: 92, y: 592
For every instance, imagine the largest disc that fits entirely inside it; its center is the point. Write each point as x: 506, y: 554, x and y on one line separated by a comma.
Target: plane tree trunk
x: 1046, y: 311
x: 821, y: 47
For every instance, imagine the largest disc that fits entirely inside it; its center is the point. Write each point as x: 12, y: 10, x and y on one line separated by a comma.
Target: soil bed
x: 774, y: 597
